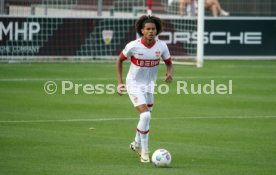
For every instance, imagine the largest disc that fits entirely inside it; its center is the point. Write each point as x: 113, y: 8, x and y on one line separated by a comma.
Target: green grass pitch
x: 231, y: 134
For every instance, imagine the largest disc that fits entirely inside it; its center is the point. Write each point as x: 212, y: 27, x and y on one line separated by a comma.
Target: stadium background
x: 78, y: 28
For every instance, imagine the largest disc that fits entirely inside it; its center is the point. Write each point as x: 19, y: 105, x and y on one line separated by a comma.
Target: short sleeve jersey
x: 145, y: 60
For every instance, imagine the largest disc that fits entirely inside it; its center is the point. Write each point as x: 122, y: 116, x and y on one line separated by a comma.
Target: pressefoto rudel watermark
x: 207, y: 88
x: 181, y: 88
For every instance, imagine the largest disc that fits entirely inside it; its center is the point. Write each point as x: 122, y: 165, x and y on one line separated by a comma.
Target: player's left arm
x: 168, y: 61
x: 169, y: 73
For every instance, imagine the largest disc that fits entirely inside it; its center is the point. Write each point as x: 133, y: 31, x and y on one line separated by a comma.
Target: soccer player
x: 145, y: 54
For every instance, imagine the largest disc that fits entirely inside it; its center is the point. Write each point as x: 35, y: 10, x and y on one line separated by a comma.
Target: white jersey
x: 144, y: 61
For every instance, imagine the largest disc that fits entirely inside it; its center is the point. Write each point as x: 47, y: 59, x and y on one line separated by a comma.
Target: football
x: 161, y: 158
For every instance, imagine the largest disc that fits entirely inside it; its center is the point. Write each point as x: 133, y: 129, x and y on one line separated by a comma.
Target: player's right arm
x: 119, y: 70
x: 127, y: 52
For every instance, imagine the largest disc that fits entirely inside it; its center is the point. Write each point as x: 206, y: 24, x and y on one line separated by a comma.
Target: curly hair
x: 140, y: 23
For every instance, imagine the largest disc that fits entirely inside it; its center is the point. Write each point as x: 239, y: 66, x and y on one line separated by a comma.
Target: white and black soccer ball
x: 161, y: 158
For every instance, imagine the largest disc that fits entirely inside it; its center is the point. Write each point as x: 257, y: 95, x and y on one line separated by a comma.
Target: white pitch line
x: 112, y: 78
x: 54, y: 79
x: 134, y: 118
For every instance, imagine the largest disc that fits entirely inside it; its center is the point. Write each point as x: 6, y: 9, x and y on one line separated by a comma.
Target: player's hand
x: 121, y: 89
x: 168, y: 78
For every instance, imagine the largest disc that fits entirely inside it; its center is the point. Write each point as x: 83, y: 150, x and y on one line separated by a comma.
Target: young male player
x: 145, y: 54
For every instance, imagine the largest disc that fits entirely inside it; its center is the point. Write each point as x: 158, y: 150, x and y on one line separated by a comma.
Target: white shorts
x: 140, y: 94
x: 141, y: 98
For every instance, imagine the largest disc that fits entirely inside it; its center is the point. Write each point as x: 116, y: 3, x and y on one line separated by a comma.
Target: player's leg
x: 137, y: 100
x: 143, y: 125
x: 143, y: 130
x: 150, y: 101
x: 140, y: 145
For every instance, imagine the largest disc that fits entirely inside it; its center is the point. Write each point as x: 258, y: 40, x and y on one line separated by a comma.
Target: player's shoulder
x: 134, y: 42
x: 161, y: 43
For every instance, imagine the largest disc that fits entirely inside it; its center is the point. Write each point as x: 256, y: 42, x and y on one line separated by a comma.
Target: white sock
x: 143, y: 129
x: 145, y: 142
x: 137, y: 139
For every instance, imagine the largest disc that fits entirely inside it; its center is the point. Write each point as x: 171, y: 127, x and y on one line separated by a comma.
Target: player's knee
x: 150, y: 106
x: 146, y: 116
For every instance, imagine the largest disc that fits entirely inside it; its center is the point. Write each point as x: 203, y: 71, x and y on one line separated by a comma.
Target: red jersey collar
x: 143, y: 42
